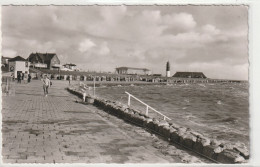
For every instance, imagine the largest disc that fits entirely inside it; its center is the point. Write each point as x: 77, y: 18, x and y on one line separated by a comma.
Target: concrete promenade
x: 56, y: 129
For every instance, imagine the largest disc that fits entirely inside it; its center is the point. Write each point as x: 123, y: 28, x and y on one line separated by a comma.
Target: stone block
x: 214, y: 142
x: 146, y: 122
x: 151, y: 125
x: 200, y: 144
x: 182, y: 130
x: 136, y: 119
x: 90, y: 100
x: 175, y: 126
x: 198, y: 147
x: 188, y: 140
x: 209, y: 151
x: 127, y: 116
x: 156, y: 126
x: 166, y: 132
x: 229, y: 157
x: 243, y: 151
x: 163, y: 123
x: 175, y: 137
x: 160, y: 129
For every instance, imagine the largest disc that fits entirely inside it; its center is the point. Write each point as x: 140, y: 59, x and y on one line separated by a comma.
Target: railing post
x: 84, y: 96
x: 94, y: 87
x: 147, y: 108
x: 128, y: 100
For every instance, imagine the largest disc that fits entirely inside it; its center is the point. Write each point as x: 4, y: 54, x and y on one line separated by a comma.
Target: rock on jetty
x: 216, y: 151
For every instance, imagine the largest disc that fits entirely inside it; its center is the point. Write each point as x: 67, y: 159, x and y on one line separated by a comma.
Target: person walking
x: 19, y: 78
x: 70, y: 78
x: 29, y: 78
x: 22, y: 76
x: 46, y: 84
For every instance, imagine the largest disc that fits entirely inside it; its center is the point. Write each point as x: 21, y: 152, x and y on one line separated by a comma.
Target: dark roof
x: 70, y: 64
x: 17, y: 58
x: 3, y: 57
x: 133, y: 68
x: 189, y: 75
x: 42, y: 57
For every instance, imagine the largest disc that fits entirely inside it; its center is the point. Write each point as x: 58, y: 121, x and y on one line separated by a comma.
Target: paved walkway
x: 56, y: 129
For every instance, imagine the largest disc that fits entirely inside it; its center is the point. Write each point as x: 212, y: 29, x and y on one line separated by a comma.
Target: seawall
x: 212, y: 149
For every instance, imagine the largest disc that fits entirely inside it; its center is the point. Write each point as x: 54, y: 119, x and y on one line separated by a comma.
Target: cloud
x: 183, y: 21
x: 151, y: 17
x: 210, y: 29
x: 112, y: 16
x: 103, y: 49
x: 104, y: 37
x: 9, y: 53
x: 86, y: 45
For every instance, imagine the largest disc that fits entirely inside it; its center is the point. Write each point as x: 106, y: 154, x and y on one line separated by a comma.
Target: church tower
x: 168, y: 73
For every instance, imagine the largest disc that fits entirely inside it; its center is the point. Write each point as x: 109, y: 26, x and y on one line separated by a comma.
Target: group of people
x: 45, y: 79
x: 20, y: 77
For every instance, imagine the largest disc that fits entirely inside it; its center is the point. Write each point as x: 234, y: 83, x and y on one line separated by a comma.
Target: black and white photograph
x: 125, y: 84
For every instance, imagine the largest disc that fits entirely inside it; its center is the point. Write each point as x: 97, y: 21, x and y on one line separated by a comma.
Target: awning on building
x: 40, y: 65
x: 56, y: 65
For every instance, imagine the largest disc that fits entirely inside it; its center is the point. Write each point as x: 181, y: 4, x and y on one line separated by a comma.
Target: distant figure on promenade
x: 19, y: 78
x: 70, y: 79
x: 22, y: 76
x: 29, y: 78
x: 46, y: 84
x: 13, y: 78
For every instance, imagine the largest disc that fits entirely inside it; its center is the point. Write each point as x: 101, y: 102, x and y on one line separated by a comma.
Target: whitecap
x: 187, y: 100
x: 202, y: 85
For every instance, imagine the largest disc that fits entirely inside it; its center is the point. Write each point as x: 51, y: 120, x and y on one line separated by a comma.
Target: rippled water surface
x: 217, y: 110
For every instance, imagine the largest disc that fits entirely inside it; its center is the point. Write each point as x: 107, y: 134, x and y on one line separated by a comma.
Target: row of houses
x: 50, y: 61
x: 36, y: 60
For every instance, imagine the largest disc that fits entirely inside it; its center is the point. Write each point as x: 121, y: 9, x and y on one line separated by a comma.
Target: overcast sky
x: 209, y: 39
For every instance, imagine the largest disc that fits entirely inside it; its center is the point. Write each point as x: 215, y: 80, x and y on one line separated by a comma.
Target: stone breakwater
x: 212, y: 149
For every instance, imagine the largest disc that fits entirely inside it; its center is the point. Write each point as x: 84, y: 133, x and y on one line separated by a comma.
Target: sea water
x: 219, y: 111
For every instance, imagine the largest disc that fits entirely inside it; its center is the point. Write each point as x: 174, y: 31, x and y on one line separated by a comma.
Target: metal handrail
x: 147, y: 106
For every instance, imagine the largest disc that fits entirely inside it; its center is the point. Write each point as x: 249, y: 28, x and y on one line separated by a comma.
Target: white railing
x: 147, y: 106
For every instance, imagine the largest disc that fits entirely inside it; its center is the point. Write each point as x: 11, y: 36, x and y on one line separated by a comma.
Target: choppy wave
x: 218, y: 110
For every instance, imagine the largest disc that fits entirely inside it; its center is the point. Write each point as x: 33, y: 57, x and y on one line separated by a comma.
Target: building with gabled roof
x: 5, y: 59
x: 189, y: 75
x: 17, y: 58
x: 69, y: 67
x: 44, y: 60
x: 4, y: 65
x: 18, y: 65
x: 132, y: 70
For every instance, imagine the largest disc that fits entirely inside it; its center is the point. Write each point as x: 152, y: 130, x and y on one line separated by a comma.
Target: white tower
x: 168, y: 73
